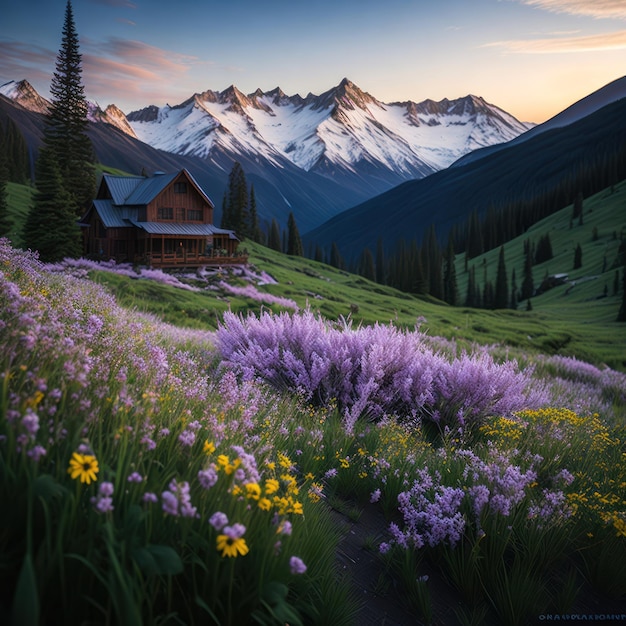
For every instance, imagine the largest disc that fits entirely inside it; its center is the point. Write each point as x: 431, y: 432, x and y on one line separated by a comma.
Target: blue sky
x: 532, y: 58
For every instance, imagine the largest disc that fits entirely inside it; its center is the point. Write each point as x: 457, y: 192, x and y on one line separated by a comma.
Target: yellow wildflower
x: 83, y: 466
x: 271, y: 486
x: 253, y: 491
x: 232, y: 547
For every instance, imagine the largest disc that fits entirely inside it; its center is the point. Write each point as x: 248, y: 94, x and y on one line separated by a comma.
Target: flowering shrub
x: 250, y: 291
x: 372, y: 371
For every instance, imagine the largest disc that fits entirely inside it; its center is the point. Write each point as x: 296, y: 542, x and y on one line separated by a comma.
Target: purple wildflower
x: 36, y: 453
x: 208, y: 477
x: 135, y: 477
x: 218, y: 520
x: 296, y: 565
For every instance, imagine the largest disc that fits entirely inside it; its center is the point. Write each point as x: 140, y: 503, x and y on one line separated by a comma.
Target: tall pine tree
x: 451, y: 292
x: 366, y: 265
x: 66, y: 123
x: 273, y: 237
x: 527, y: 288
x: 294, y: 243
x: 255, y: 230
x: 236, y: 209
x: 51, y: 226
x: 501, y: 296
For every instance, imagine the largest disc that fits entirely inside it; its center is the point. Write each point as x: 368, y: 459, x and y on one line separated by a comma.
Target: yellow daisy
x: 232, y: 547
x: 83, y: 466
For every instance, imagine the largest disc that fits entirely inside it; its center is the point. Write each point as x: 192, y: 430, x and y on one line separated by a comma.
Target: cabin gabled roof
x: 141, y: 190
x: 120, y: 187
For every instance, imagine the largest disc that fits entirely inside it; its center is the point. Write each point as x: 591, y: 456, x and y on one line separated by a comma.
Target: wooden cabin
x: 163, y: 221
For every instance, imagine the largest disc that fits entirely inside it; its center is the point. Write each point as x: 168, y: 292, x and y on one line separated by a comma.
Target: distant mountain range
x: 563, y: 156
x: 315, y: 156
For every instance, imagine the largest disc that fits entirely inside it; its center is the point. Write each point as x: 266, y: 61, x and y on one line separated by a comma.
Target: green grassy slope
x: 575, y: 323
x: 581, y: 318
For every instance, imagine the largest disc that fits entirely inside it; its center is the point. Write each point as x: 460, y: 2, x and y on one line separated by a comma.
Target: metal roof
x: 110, y: 215
x: 150, y: 188
x: 178, y: 228
x: 122, y: 186
x: 141, y: 190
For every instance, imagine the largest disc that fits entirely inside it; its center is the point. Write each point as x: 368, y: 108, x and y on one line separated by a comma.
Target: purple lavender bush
x: 372, y: 372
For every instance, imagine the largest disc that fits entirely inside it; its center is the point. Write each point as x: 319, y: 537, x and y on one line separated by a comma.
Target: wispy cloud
x: 587, y: 43
x: 615, y: 9
x: 136, y: 69
x: 134, y: 53
x: 121, y: 20
x: 21, y: 60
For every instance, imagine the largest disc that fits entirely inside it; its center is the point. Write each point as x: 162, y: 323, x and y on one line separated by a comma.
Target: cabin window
x: 180, y: 187
x: 165, y: 213
x: 194, y: 215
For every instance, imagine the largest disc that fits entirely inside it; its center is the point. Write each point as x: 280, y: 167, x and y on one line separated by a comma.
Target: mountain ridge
x: 557, y: 163
x: 344, y: 128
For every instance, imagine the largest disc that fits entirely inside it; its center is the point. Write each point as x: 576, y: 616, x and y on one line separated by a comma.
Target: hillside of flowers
x: 156, y: 475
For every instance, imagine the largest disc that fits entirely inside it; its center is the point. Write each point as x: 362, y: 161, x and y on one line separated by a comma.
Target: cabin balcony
x: 169, y: 260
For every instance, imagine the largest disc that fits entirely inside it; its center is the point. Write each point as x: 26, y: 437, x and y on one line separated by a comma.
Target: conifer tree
x: 51, y: 226
x: 470, y: 297
x: 488, y: 295
x: 432, y: 251
x: 273, y: 237
x: 66, y: 123
x: 578, y: 257
x: 474, y: 244
x: 236, y: 210
x: 527, y: 288
x: 501, y: 295
x: 336, y: 260
x: 226, y: 221
x: 451, y: 293
x: 366, y: 265
x: 513, y: 290
x: 294, y: 243
x: 577, y: 207
x: 255, y: 229
x: 380, y: 262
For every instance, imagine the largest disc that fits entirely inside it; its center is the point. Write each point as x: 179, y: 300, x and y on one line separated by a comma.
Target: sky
x: 532, y: 58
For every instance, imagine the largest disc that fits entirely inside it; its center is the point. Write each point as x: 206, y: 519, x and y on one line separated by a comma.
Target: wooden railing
x: 191, y: 260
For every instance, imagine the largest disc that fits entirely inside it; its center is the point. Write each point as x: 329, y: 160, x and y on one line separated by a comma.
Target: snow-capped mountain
x: 25, y: 95
x: 342, y: 129
x: 111, y: 115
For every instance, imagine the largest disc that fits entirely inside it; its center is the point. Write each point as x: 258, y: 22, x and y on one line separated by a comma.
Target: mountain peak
x: 346, y: 96
x: 24, y: 94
